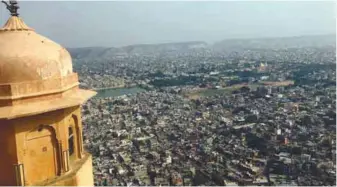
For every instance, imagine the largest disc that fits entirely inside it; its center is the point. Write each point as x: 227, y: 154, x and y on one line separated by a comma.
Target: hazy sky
x: 90, y: 23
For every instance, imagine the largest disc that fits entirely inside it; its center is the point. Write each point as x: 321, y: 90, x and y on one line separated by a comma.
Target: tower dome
x: 27, y: 56
x: 34, y: 71
x: 40, y: 111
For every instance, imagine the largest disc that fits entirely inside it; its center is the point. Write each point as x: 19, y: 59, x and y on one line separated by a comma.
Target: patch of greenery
x: 179, y: 81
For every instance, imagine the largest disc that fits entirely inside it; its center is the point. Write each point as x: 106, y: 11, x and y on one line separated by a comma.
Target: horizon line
x: 209, y: 43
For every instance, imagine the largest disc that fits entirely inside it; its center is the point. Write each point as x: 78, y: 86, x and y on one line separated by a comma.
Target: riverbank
x: 106, y: 88
x: 143, y: 86
x: 115, y: 92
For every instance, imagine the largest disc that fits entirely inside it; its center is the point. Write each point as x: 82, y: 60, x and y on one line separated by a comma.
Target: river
x: 114, y: 92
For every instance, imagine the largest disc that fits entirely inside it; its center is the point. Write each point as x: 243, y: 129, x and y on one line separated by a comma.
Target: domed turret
x: 28, y: 56
x: 34, y: 69
x: 40, y: 111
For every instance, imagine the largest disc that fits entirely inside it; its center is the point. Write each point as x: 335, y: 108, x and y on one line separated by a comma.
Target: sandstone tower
x: 40, y: 111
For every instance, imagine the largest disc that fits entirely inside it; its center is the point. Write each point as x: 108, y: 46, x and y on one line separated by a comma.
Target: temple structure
x: 40, y: 111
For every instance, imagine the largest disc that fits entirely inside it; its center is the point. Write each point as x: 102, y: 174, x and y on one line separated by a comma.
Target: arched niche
x: 41, y: 158
x: 77, y: 134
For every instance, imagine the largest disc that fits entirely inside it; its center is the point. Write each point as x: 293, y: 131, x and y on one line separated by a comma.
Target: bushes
x: 181, y: 80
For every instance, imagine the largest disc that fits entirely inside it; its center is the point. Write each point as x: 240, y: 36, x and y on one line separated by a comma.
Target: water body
x: 114, y: 92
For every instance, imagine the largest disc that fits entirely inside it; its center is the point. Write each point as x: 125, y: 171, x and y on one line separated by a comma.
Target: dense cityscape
x: 205, y: 115
x: 241, y: 94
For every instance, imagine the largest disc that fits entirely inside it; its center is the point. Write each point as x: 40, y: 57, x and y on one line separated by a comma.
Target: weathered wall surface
x: 7, y: 154
x: 81, y: 175
x: 39, y: 142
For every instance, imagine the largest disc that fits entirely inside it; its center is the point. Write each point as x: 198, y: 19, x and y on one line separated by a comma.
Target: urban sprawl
x: 250, y: 116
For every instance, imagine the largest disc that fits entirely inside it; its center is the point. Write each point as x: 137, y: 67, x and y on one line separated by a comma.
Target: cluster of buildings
x: 277, y: 135
x: 202, y: 65
x: 277, y: 127
x: 98, y: 81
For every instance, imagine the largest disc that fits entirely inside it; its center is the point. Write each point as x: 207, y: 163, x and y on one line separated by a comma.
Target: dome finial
x: 12, y: 7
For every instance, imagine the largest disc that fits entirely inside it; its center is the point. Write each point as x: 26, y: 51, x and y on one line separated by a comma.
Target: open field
x: 210, y: 92
x: 229, y: 89
x: 277, y: 83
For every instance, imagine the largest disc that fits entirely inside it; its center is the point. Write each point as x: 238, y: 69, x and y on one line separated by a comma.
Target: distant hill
x: 225, y: 45
x: 105, y: 52
x: 277, y: 43
x: 92, y: 52
x: 150, y: 48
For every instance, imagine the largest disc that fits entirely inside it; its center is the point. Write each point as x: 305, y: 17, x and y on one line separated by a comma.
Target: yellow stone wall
x: 40, y: 149
x: 84, y: 176
x: 8, y: 154
x: 81, y: 175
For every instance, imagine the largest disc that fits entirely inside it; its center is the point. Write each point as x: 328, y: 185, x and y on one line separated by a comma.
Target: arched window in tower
x: 71, y: 142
